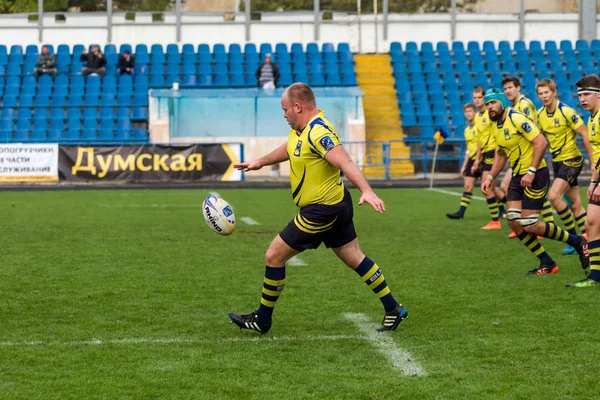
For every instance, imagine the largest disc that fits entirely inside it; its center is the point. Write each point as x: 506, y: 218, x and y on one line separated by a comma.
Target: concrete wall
x: 366, y: 36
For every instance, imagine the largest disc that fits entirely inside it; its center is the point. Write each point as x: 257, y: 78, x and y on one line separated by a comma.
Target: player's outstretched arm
x: 339, y: 158
x: 275, y: 157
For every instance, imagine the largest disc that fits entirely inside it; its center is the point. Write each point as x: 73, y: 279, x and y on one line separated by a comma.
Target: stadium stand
x: 115, y: 109
x: 433, y: 84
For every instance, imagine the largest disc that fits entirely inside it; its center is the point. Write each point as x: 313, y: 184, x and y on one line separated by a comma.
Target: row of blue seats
x: 72, y: 124
x: 133, y: 113
x: 432, y: 77
x: 65, y: 60
x: 489, y: 46
x: 249, y: 48
x: 105, y: 100
x: 492, y: 67
x: 75, y: 135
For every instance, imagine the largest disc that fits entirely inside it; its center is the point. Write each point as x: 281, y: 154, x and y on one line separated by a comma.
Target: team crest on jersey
x: 327, y: 143
x: 298, y: 148
x: 556, y: 122
x: 575, y: 118
x: 526, y: 127
x: 506, y: 134
x: 526, y: 112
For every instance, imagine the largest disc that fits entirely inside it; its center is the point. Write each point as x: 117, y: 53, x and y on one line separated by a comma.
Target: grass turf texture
x: 111, y: 265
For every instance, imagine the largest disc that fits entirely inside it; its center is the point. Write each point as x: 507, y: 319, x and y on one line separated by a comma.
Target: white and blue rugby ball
x: 218, y: 215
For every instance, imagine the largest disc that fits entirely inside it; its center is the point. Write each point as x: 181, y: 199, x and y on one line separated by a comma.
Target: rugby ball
x: 218, y: 215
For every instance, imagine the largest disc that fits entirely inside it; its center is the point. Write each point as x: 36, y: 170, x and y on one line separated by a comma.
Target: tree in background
x: 31, y: 6
x: 395, y: 6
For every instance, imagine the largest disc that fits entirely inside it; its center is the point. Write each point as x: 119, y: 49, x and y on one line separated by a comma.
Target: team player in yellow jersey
x: 561, y: 124
x: 512, y: 89
x: 486, y: 148
x: 467, y: 171
x: 519, y: 140
x: 589, y: 97
x: 316, y: 158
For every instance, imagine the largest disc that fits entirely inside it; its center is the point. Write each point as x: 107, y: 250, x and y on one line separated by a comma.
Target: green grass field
x: 125, y: 294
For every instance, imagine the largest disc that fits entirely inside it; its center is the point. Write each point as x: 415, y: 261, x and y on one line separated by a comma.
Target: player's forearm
x: 355, y: 176
x: 499, y: 162
x: 595, y: 175
x: 478, y: 155
x: 276, y: 156
x: 539, y: 148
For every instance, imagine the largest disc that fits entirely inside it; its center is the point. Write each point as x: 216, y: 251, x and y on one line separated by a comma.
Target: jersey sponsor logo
x: 327, y: 143
x: 556, y: 122
x: 506, y: 134
x: 526, y: 127
x: 298, y: 148
x: 575, y: 118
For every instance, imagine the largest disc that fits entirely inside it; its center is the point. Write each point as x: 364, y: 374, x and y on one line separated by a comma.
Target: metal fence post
x: 317, y: 6
x: 385, y: 150
x: 178, y: 19
x: 40, y: 20
x: 109, y: 20
x: 359, y: 26
x: 453, y: 21
x: 385, y: 19
x: 522, y: 20
x: 376, y: 26
x: 425, y: 159
x: 247, y: 22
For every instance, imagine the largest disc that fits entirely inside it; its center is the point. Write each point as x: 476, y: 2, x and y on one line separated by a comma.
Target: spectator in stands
x: 126, y: 63
x: 46, y: 64
x: 95, y: 62
x: 267, y: 73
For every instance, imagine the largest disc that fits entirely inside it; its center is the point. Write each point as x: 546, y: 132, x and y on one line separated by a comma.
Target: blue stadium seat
x: 91, y: 100
x: 317, y: 79
x: 123, y: 99
x: 59, y: 100
x: 157, y: 81
x: 189, y: 80
x: 75, y: 100
x: 140, y: 100
x: 237, y: 80
x: 566, y: 45
x: 251, y: 80
x: 26, y: 101
x: 108, y: 100
x: 173, y: 58
x: 173, y: 69
x: 205, y: 80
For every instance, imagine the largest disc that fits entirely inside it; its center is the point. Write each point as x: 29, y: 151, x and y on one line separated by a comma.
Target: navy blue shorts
x: 533, y: 197
x: 319, y: 223
x: 487, y: 161
x: 468, y: 172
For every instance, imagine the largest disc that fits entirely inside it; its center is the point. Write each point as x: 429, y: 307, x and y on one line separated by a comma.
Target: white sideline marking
x: 99, y: 342
x: 401, y: 359
x: 151, y: 205
x: 456, y: 194
x: 249, y: 221
x: 297, y: 262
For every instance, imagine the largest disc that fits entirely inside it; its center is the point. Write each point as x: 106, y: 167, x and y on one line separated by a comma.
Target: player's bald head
x: 302, y: 94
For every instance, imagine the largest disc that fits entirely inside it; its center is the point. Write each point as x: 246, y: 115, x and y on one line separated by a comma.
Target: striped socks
x: 594, y: 250
x: 581, y: 222
x: 272, y: 287
x: 493, y: 206
x: 373, y: 277
x: 567, y: 218
x: 465, y: 201
x: 547, y: 212
x: 556, y: 233
x: 532, y: 243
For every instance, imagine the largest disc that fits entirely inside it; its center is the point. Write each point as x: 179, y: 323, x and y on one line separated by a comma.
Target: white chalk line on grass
x: 151, y: 205
x: 456, y: 194
x: 100, y: 342
x: 297, y: 262
x: 401, y: 359
x: 249, y: 221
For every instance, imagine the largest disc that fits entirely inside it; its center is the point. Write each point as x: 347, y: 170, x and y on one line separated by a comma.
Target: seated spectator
x: 46, y: 64
x: 267, y: 73
x: 95, y: 62
x: 126, y: 63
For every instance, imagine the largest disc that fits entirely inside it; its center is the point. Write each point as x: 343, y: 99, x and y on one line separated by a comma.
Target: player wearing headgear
x: 561, y: 124
x: 485, y: 157
x: 519, y: 140
x: 512, y: 89
x: 589, y: 97
x: 466, y: 170
x: 316, y: 158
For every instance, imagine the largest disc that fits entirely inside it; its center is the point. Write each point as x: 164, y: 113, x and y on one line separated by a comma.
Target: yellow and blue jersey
x: 594, y: 136
x: 313, y: 179
x: 471, y: 140
x: 485, y: 132
x: 525, y: 107
x: 514, y: 137
x: 559, y: 127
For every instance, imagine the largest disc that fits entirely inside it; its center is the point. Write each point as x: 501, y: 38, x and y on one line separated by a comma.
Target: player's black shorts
x: 318, y: 223
x: 590, y: 201
x: 568, y: 170
x: 468, y: 172
x: 532, y: 197
x: 488, y: 160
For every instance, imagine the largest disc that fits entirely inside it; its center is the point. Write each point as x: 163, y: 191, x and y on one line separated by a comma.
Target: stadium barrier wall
x: 366, y: 35
x: 34, y: 162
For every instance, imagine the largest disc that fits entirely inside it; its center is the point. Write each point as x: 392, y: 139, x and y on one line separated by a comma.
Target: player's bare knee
x: 554, y: 198
x: 515, y: 226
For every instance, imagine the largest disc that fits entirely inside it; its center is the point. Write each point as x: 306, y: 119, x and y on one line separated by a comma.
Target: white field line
x: 249, y: 221
x: 150, y: 205
x: 297, y: 262
x: 401, y: 359
x: 456, y: 194
x: 142, y: 340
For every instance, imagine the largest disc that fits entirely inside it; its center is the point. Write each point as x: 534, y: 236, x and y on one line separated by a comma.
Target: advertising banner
x: 21, y: 162
x: 150, y: 163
